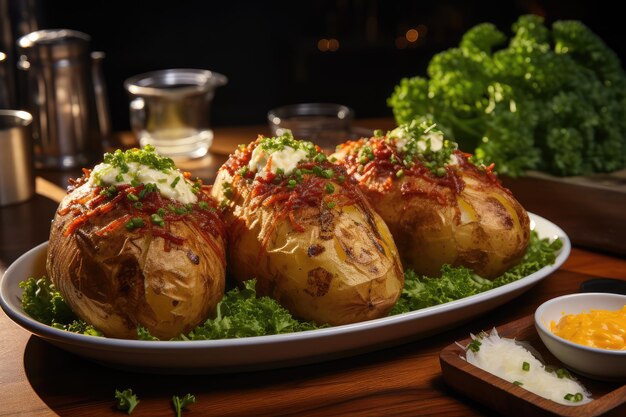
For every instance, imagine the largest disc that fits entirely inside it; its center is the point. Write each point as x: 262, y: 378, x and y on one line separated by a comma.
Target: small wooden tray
x: 511, y: 400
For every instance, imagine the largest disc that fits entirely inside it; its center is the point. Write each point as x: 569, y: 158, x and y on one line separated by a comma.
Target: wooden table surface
x: 38, y: 379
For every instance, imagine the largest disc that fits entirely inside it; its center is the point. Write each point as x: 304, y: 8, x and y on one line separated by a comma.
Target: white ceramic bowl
x: 596, y: 363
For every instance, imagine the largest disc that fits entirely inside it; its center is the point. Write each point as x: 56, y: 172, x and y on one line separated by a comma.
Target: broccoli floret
x: 552, y: 99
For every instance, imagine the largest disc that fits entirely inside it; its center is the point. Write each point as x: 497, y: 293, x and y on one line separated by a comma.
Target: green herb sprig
x: 181, y: 403
x: 146, y: 156
x: 126, y: 400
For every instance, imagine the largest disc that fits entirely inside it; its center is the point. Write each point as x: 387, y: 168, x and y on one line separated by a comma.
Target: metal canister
x: 60, y: 92
x: 17, y: 181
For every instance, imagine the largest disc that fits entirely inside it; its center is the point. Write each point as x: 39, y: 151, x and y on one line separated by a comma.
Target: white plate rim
x: 13, y: 309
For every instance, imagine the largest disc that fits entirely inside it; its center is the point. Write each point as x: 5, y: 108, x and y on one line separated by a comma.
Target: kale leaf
x: 549, y: 99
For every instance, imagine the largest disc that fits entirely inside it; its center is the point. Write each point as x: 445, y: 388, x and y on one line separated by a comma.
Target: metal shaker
x: 68, y: 117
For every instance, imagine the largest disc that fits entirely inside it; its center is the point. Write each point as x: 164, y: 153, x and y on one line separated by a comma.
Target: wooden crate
x: 591, y: 210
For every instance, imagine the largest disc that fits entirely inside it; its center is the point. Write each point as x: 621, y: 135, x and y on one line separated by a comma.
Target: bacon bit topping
x: 143, y: 202
x: 315, y: 182
x: 389, y: 165
x: 115, y: 224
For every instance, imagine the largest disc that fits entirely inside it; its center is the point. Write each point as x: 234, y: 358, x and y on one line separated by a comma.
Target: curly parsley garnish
x: 180, y: 403
x: 279, y: 143
x: 460, y: 282
x: 146, y: 156
x: 241, y: 314
x: 42, y: 302
x: 126, y: 400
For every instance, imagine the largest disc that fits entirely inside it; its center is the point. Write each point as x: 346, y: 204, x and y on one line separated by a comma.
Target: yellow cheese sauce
x: 602, y: 329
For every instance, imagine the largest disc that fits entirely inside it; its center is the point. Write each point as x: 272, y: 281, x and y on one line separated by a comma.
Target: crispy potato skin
x: 342, y: 268
x: 482, y: 226
x: 126, y: 278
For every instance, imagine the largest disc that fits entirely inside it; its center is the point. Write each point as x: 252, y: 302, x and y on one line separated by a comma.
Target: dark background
x: 269, y: 50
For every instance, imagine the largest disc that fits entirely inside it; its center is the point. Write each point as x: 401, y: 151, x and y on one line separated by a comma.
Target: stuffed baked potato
x: 136, y: 243
x: 299, y: 226
x: 440, y: 207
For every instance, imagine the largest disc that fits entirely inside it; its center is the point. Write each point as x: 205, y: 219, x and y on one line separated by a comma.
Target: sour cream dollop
x: 431, y: 141
x: 286, y: 159
x: 170, y: 182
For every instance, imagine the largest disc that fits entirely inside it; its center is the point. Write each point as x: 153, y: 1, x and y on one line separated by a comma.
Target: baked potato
x: 299, y: 226
x: 441, y: 207
x: 136, y: 243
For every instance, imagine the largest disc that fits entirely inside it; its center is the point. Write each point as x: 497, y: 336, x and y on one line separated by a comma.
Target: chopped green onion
x: 148, y: 188
x: 331, y: 204
x: 518, y: 383
x: 132, y: 197
x: 133, y: 223
x: 330, y: 188
x: 400, y: 173
x: 109, y: 191
x: 526, y: 366
x: 203, y: 205
x: 228, y: 191
x: 563, y: 373
x: 474, y: 346
x: 119, y: 178
x: 328, y: 173
x: 173, y: 184
x: 575, y: 398
x: 156, y: 219
x: 138, y: 205
x: 292, y: 184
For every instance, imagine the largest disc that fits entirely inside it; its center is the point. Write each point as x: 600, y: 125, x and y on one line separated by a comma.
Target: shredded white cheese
x: 511, y: 361
x: 179, y: 190
x: 286, y: 159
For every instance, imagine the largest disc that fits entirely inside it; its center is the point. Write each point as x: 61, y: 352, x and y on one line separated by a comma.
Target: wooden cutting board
x: 512, y: 400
